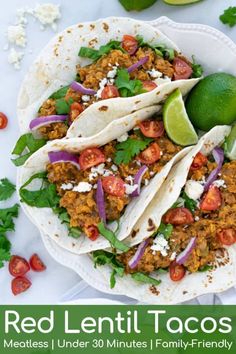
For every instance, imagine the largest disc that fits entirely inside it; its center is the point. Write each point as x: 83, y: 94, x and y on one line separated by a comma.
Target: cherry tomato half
x: 92, y: 232
x: 178, y: 216
x: 36, y: 263
x: 198, y: 161
x: 227, y: 236
x: 152, y: 128
x: 211, y: 199
x: 18, y: 266
x: 177, y: 271
x: 114, y: 186
x: 110, y: 91
x: 75, y: 109
x: 19, y: 285
x: 182, y: 69
x: 150, y: 155
x: 3, y: 120
x: 129, y: 44
x: 149, y: 85
x: 91, y: 157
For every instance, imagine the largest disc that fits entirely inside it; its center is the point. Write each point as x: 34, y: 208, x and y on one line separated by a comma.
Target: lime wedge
x: 230, y: 144
x: 180, y: 2
x: 177, y: 124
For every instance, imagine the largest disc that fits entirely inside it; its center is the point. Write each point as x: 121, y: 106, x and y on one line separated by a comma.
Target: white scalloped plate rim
x: 78, y: 263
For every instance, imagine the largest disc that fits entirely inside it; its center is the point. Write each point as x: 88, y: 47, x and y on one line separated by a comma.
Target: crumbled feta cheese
x: 102, y: 84
x: 66, y: 186
x: 193, y: 189
x: 85, y: 98
x: 130, y: 189
x: 160, y: 244
x: 154, y: 73
x: 114, y: 168
x: 146, y: 181
x: 95, y: 186
x: 47, y: 14
x: 123, y: 137
x: 219, y: 183
x: 109, y: 159
x: 130, y: 179
x: 152, y: 173
x: 16, y: 35
x: 107, y: 173
x: 83, y: 187
x: 196, y: 218
x: 15, y: 58
x: 173, y: 256
x: 99, y: 169
x: 112, y: 73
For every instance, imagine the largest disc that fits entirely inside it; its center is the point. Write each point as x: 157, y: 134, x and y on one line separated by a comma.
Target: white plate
x: 216, y: 52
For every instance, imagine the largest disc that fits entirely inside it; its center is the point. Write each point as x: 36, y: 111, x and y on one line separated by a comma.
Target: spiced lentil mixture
x: 105, y: 76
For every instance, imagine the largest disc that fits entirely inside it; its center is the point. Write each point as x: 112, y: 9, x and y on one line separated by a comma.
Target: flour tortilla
x: 56, y: 67
x: 50, y: 224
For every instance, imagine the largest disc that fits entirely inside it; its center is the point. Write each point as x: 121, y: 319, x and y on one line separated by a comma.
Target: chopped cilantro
x: 95, y: 54
x: 130, y: 148
x: 144, y: 278
x: 126, y: 86
x: 229, y: 16
x: 5, y: 248
x: 189, y: 203
x: 6, y: 218
x: 63, y: 106
x: 26, y: 144
x: 60, y: 93
x: 165, y: 230
x: 197, y: 69
x: 160, y: 49
x: 62, y: 214
x: 205, y: 268
x: 6, y: 189
x: 111, y: 237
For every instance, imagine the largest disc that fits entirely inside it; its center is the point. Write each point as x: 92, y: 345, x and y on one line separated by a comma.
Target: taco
x: 188, y: 229
x: 102, y: 70
x: 95, y: 185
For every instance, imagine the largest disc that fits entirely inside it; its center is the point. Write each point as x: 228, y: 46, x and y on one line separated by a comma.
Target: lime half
x: 230, y: 144
x: 180, y: 2
x: 177, y: 124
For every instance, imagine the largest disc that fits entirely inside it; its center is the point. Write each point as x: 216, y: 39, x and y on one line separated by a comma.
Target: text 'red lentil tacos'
x: 80, y: 191
x: 93, y: 73
x: 184, y: 243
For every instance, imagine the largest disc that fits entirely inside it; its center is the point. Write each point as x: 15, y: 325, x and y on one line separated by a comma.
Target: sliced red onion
x: 78, y: 87
x: 100, y: 201
x: 138, y: 64
x: 133, y: 262
x: 183, y: 256
x: 138, y: 179
x: 63, y: 156
x: 218, y: 155
x: 45, y: 120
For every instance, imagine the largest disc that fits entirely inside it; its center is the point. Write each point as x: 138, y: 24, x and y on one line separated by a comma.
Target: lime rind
x: 180, y: 2
x: 177, y: 124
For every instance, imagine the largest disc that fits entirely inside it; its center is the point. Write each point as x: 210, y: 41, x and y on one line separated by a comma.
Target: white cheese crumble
x: 130, y: 179
x: 67, y: 186
x: 114, y: 168
x: 99, y: 170
x: 219, y: 183
x: 85, y: 98
x: 15, y: 58
x: 112, y: 73
x: 173, y: 256
x: 47, y: 14
x: 146, y: 181
x: 123, y: 137
x: 109, y: 159
x: 160, y: 244
x: 196, y: 218
x: 16, y: 35
x: 83, y: 187
x: 130, y: 189
x: 154, y: 73
x: 102, y: 84
x: 193, y: 189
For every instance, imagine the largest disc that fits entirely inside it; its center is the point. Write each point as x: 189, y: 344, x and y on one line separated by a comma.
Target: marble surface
x: 54, y: 285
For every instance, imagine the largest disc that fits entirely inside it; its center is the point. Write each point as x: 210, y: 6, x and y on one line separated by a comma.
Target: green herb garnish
x: 95, y: 54
x: 144, y: 278
x: 205, y: 268
x: 26, y: 144
x: 111, y: 237
x: 6, y: 218
x: 63, y: 106
x: 165, y: 230
x: 229, y: 16
x: 6, y: 189
x: 62, y: 214
x: 189, y: 203
x: 129, y: 148
x: 126, y: 86
x: 197, y: 69
x: 160, y: 49
x: 60, y: 93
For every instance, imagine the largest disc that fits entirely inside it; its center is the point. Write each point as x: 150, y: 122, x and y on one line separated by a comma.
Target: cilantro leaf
x: 160, y: 49
x: 74, y: 232
x: 205, y: 268
x: 136, y: 5
x: 63, y: 106
x: 102, y: 257
x: 6, y: 218
x: 95, y: 54
x: 6, y: 189
x: 46, y: 197
x: 144, y: 278
x: 111, y: 237
x: 5, y: 247
x: 197, y: 69
x: 130, y: 148
x: 189, y: 203
x: 127, y: 87
x: 229, y: 16
x: 26, y: 143
x: 165, y: 230
x: 60, y: 93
